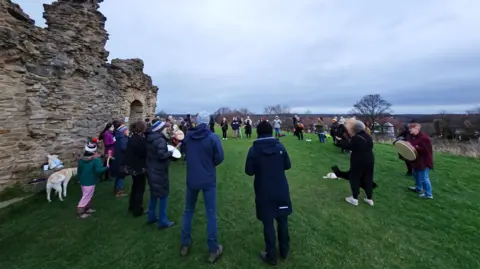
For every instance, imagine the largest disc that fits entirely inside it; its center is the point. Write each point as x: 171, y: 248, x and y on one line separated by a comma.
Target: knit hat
x: 203, y: 118
x: 91, y: 146
x: 122, y: 128
x: 158, y: 126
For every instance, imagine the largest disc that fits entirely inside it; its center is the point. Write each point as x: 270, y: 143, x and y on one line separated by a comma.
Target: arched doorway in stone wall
x: 136, y: 111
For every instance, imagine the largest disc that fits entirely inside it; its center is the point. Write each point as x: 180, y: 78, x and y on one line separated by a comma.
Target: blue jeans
x: 277, y: 131
x: 422, y: 181
x: 210, y: 198
x: 162, y: 210
x: 321, y: 137
x: 119, y: 183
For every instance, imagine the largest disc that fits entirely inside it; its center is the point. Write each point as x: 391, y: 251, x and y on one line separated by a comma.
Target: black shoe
x: 264, y: 258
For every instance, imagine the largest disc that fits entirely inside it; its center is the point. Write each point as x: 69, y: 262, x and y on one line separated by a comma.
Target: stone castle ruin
x: 56, y: 87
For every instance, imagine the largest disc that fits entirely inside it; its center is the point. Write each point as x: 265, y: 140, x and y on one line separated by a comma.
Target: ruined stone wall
x: 56, y: 87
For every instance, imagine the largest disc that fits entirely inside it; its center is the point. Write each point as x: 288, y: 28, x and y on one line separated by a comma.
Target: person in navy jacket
x: 205, y: 153
x: 268, y: 160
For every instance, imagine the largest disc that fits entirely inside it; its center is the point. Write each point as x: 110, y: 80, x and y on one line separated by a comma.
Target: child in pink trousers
x: 89, y: 169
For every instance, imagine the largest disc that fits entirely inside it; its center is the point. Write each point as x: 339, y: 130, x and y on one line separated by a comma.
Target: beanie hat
x: 158, y: 126
x: 264, y: 129
x: 91, y: 146
x: 122, y: 128
x: 203, y: 118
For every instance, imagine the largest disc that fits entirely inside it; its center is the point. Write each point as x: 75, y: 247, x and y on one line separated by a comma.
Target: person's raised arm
x: 250, y: 163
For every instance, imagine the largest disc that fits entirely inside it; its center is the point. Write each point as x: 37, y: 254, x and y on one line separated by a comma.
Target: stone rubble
x: 57, y: 87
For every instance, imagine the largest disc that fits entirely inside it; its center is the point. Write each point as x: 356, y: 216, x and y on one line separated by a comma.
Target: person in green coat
x: 89, y: 170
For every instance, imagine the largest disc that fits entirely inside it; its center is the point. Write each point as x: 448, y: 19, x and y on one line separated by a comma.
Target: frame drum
x: 406, y: 150
x: 176, y: 153
x: 179, y: 135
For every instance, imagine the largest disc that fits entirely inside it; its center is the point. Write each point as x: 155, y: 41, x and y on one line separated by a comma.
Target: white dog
x: 59, y: 180
x: 330, y: 176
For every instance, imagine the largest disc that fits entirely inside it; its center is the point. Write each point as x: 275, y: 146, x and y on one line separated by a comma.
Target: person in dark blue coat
x: 205, y: 153
x: 158, y: 160
x: 121, y: 140
x: 268, y: 160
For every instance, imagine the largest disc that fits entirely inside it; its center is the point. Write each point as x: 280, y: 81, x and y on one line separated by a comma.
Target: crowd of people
x: 140, y: 151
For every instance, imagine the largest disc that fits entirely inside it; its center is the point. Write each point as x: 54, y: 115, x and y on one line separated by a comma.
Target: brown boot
x: 213, y: 258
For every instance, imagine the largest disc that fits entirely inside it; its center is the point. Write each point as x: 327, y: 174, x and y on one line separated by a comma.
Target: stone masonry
x: 56, y: 87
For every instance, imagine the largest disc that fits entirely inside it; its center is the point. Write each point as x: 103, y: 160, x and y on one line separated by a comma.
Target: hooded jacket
x: 89, y: 170
x: 158, y: 160
x: 268, y: 160
x: 205, y: 153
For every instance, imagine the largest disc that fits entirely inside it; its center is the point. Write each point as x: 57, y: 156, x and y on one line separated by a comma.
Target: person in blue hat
x: 158, y: 161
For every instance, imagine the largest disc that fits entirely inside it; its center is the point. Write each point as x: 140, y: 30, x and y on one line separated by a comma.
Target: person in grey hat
x: 204, y: 153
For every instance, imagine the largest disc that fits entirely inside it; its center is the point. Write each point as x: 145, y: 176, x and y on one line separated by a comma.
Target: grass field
x: 400, y: 231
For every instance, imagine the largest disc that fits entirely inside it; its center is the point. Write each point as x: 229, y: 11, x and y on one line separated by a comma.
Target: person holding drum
x: 362, y: 161
x: 423, y: 162
x: 405, y: 136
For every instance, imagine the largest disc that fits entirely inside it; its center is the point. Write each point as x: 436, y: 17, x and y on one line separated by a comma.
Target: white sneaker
x: 368, y: 201
x: 351, y: 200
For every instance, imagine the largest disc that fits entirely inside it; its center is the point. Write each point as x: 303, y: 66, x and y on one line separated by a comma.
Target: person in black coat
x: 268, y: 160
x: 362, y: 162
x: 405, y: 135
x: 341, y: 133
x: 136, y: 165
x: 158, y: 160
x: 295, y: 123
x: 224, y: 125
x: 333, y: 130
x: 211, y: 124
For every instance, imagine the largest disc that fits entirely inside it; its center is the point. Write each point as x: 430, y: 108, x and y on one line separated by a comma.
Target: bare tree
x: 475, y: 111
x: 276, y: 110
x: 308, y: 112
x: 372, y: 107
x: 244, y: 111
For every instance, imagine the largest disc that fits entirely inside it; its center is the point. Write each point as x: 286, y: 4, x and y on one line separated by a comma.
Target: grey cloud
x: 321, y: 55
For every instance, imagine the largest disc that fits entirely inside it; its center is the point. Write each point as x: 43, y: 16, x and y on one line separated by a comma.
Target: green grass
x: 400, y: 231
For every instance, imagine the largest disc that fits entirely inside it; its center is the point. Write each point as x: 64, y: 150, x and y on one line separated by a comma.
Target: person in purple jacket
x: 205, y: 153
x: 108, y: 145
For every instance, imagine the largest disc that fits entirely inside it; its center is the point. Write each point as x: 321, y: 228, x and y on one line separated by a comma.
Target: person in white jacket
x: 277, y: 123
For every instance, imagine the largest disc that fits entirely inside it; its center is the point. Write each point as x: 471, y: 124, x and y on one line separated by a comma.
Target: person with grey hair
x: 362, y: 162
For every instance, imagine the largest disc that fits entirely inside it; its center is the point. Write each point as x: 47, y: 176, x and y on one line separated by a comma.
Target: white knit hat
x: 90, y: 147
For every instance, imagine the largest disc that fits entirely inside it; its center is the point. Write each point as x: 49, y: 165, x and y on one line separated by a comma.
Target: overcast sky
x: 317, y: 55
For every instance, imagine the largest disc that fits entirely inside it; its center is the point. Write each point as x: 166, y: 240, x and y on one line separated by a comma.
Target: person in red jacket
x: 424, y: 162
